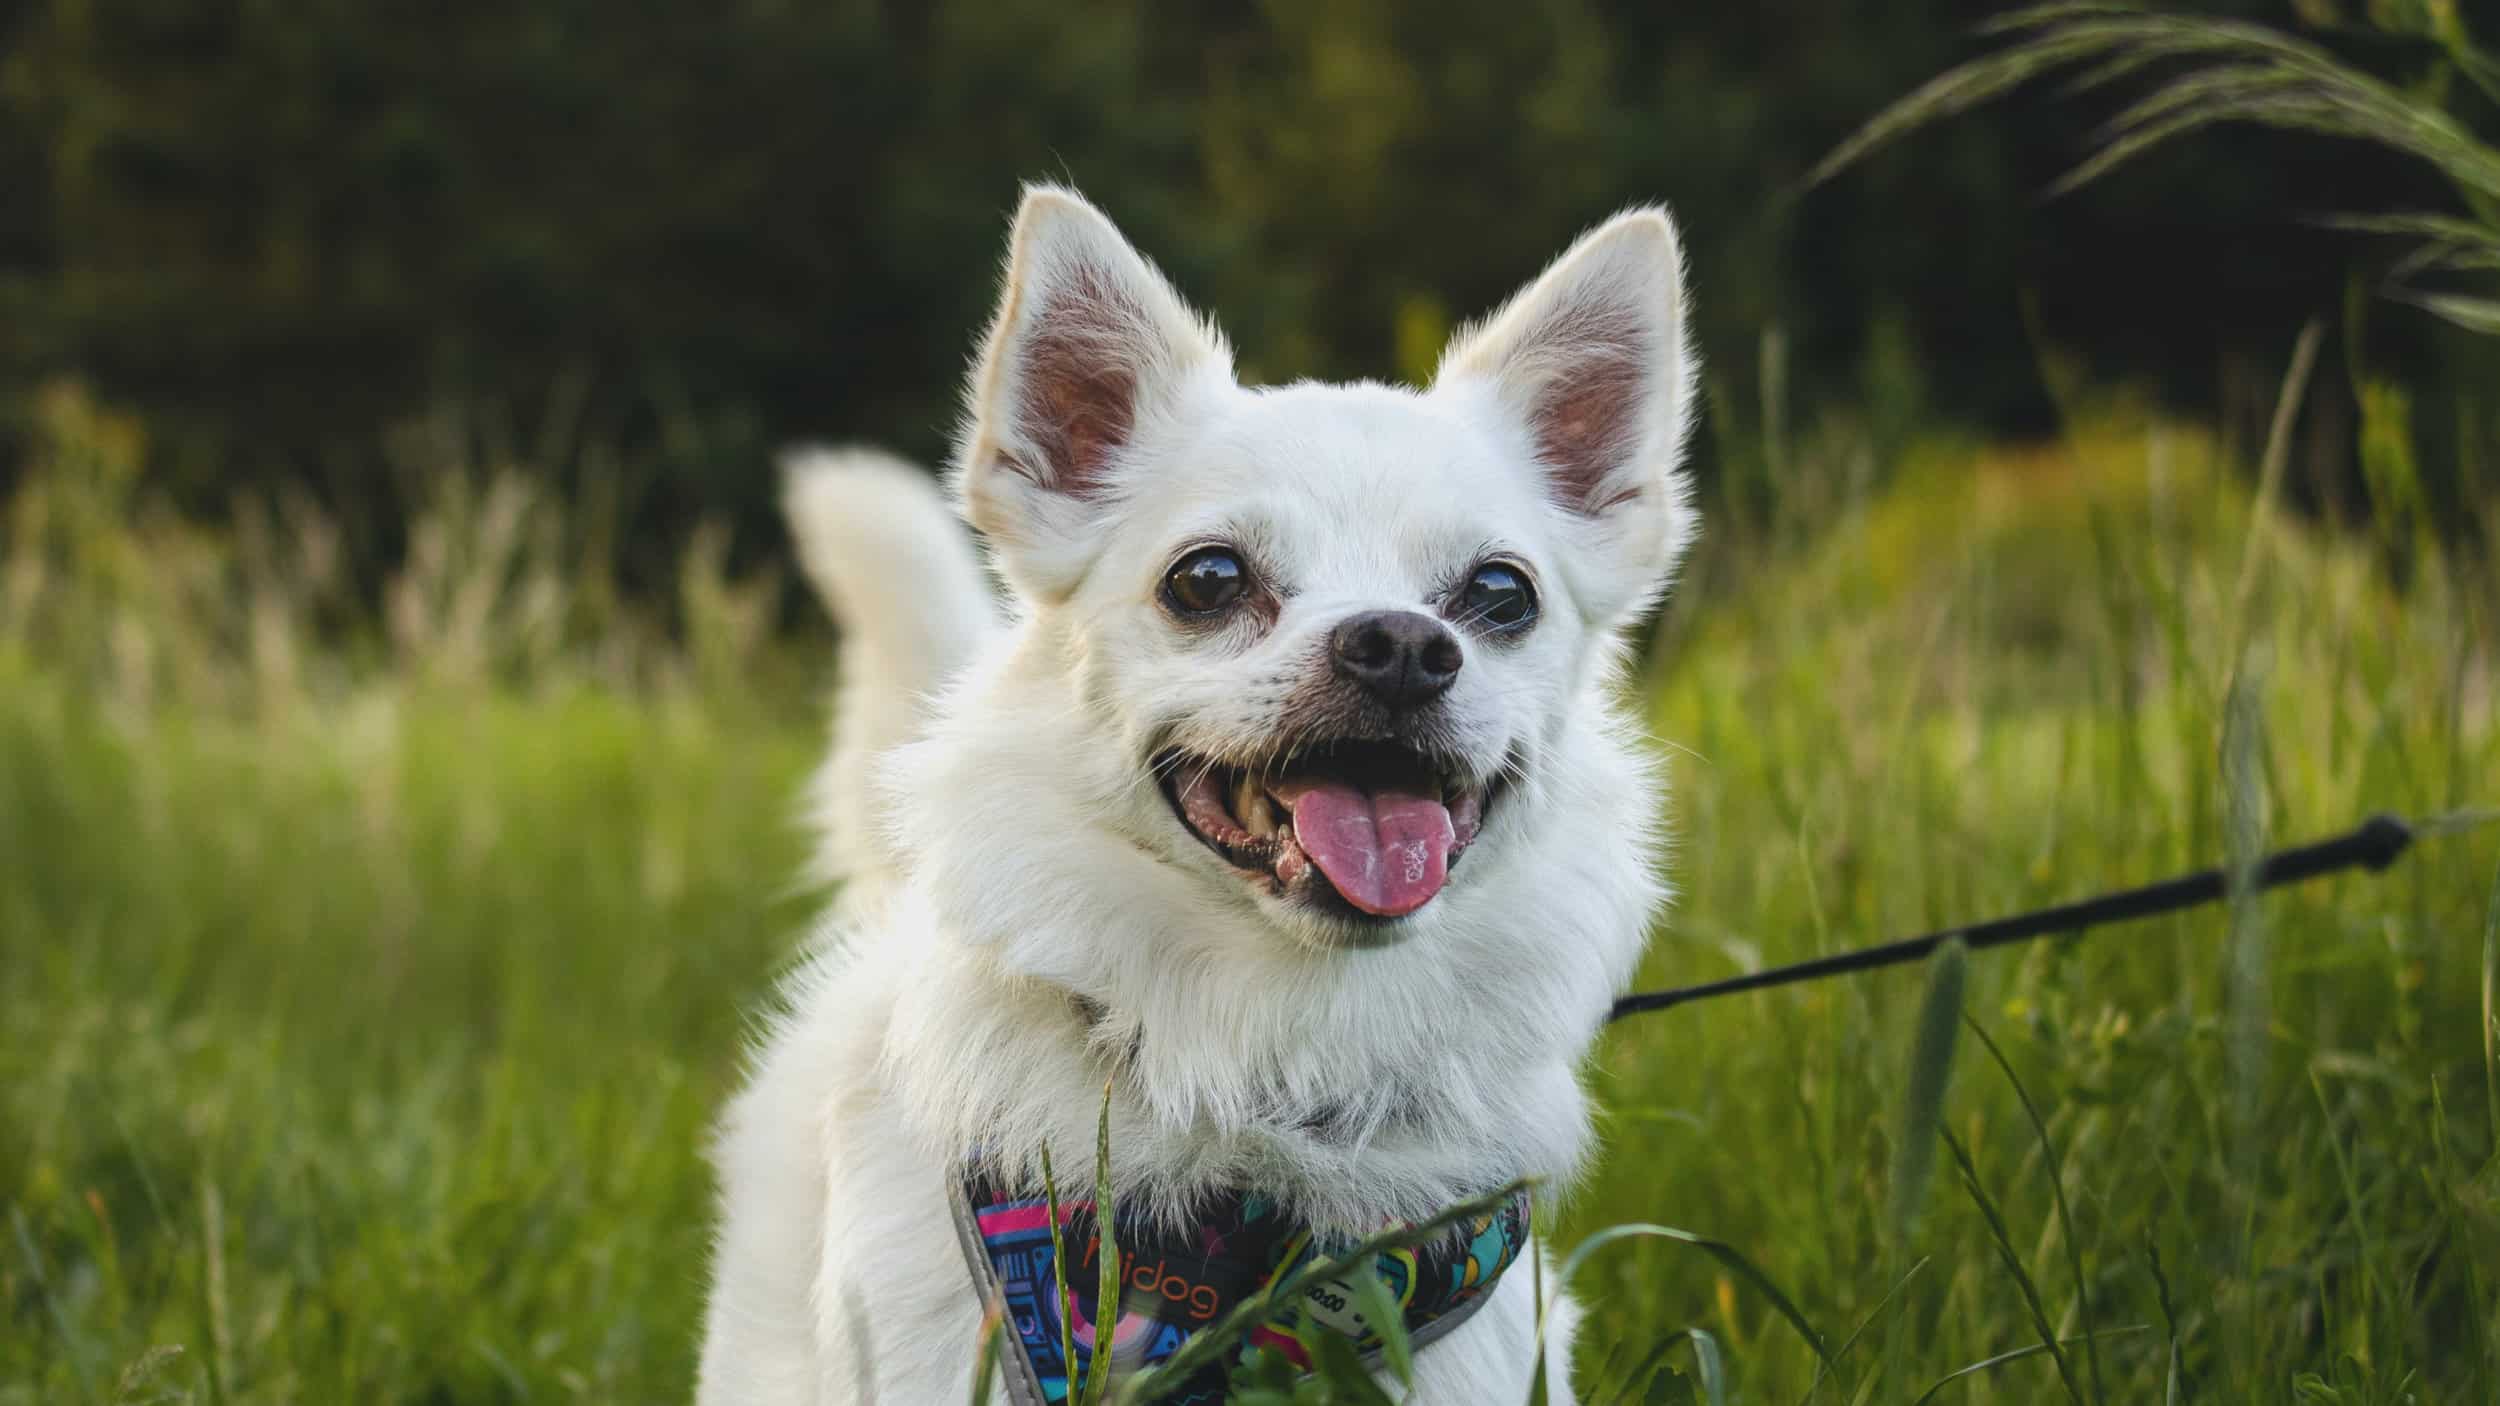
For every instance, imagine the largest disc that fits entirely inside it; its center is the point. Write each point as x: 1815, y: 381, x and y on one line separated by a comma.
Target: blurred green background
x: 405, y: 696
x: 275, y: 233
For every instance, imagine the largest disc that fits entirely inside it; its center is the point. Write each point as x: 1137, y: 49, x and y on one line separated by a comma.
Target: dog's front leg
x: 759, y: 1336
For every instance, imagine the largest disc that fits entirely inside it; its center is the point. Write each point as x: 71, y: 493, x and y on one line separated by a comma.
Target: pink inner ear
x: 1587, y: 413
x: 1077, y: 384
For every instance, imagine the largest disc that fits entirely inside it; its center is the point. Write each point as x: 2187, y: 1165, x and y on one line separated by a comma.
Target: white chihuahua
x: 1287, y: 801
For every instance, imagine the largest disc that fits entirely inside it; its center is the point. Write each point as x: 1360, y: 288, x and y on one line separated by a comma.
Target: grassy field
x: 367, y: 987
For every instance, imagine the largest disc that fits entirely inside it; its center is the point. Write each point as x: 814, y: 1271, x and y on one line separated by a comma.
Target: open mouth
x: 1367, y: 827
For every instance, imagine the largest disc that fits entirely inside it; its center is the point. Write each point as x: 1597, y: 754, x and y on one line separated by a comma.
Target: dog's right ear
x: 1091, y: 355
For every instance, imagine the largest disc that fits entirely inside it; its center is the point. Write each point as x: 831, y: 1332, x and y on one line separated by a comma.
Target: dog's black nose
x: 1399, y: 657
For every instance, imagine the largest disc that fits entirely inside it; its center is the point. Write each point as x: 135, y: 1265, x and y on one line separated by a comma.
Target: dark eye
x: 1206, y: 581
x: 1497, y: 599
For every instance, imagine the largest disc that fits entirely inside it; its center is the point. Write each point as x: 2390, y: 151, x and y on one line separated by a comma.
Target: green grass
x: 367, y: 993
x: 425, y: 1007
x: 1999, y: 688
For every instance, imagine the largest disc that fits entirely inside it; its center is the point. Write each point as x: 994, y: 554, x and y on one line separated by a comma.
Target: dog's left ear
x: 1091, y: 359
x: 1591, y: 365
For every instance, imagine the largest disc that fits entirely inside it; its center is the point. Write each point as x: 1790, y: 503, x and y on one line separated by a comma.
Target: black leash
x: 2373, y: 844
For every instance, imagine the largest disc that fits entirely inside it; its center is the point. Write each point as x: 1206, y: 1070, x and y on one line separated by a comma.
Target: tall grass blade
x: 1922, y: 1102
x: 2174, y: 1382
x: 2437, y: 257
x: 2221, y: 71
x: 2357, y: 1205
x: 1728, y: 1256
x: 985, y: 1376
x: 2452, y: 1181
x: 1640, y: 1386
x: 2065, y: 1213
x: 2244, y: 843
x: 142, y: 1372
x: 1059, y: 1263
x: 1841, y: 1353
x: 214, y: 1303
x: 1107, y: 1286
x: 2473, y: 314
x: 1537, y: 1388
x: 2122, y: 150
x: 1708, y: 1367
x: 2420, y: 224
x: 1381, y: 1315
x: 1953, y: 92
x: 2270, y: 466
x: 2491, y: 1010
x: 2014, y: 1265
x: 2018, y: 1354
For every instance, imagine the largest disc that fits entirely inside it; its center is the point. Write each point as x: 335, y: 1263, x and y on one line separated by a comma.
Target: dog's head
x: 1328, y: 633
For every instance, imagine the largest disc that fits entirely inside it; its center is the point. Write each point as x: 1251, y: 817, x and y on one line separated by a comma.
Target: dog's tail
x: 880, y: 545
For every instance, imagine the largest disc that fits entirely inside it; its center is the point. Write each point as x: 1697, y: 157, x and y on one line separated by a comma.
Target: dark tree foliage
x: 697, y: 231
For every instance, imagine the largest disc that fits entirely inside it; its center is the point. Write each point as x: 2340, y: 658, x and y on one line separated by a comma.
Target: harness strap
x: 1178, y: 1283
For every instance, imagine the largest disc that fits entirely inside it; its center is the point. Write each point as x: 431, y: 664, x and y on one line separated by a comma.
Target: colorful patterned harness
x: 1174, y: 1286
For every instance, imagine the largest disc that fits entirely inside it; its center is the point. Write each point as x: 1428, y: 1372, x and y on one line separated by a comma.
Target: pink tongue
x: 1387, y: 852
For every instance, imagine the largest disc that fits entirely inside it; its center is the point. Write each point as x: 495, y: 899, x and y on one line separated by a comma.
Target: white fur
x: 1033, y: 859
x: 875, y: 540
